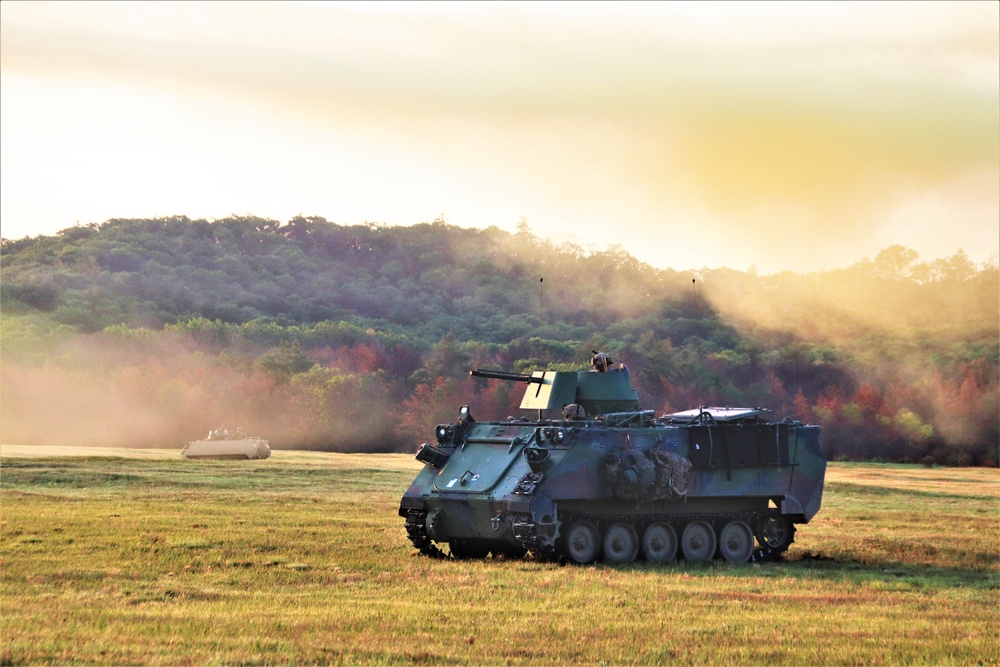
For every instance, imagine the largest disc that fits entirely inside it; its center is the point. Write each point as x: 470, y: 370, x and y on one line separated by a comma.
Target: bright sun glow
x: 799, y: 136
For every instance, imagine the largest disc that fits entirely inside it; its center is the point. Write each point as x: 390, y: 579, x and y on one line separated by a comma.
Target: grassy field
x: 144, y: 558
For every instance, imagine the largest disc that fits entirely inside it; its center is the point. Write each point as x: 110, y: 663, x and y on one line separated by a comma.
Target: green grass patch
x: 302, y: 559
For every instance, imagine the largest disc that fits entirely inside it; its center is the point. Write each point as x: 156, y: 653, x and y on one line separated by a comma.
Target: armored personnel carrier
x: 602, y: 479
x: 221, y: 444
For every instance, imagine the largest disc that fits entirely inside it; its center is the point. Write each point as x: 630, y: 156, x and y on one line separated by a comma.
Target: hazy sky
x: 800, y: 136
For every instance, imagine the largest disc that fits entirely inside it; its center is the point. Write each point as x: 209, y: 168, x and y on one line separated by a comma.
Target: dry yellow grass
x: 301, y: 558
x: 45, y: 452
x: 973, y: 481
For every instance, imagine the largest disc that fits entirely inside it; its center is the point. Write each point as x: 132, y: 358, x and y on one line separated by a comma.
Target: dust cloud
x: 156, y: 390
x: 919, y: 339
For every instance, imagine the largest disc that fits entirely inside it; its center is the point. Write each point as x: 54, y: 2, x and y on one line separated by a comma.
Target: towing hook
x: 495, y: 521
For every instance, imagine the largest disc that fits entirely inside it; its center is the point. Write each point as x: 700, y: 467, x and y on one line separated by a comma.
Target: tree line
x: 360, y: 338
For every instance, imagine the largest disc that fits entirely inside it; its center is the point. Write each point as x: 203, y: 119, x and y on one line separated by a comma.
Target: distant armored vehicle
x: 221, y: 444
x: 606, y: 480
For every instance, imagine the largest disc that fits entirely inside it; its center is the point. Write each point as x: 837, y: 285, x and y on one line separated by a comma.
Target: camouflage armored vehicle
x: 602, y: 479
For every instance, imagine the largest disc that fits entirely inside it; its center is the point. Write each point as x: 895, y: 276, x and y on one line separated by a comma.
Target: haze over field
x: 360, y: 338
x: 799, y: 136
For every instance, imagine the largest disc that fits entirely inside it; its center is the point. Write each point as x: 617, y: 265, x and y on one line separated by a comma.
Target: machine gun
x: 503, y: 375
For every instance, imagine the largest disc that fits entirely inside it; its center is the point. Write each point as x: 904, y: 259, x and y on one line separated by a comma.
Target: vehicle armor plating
x: 606, y: 480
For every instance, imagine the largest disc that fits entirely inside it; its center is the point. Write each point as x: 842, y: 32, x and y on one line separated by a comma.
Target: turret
x: 601, y: 390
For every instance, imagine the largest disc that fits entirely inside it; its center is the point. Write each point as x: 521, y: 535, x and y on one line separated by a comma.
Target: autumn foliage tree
x: 360, y: 338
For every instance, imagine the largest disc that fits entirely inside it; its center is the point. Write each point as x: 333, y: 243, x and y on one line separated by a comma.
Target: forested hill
x: 422, y: 280
x: 359, y: 337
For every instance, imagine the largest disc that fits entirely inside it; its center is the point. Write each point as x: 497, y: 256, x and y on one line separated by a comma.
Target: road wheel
x: 621, y: 543
x: 659, y: 543
x: 583, y: 542
x: 698, y: 542
x: 736, y: 542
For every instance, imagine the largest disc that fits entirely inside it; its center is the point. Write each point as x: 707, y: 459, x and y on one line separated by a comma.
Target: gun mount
x: 578, y: 393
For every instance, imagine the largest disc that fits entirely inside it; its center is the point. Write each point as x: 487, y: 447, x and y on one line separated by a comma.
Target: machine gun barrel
x: 503, y: 375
